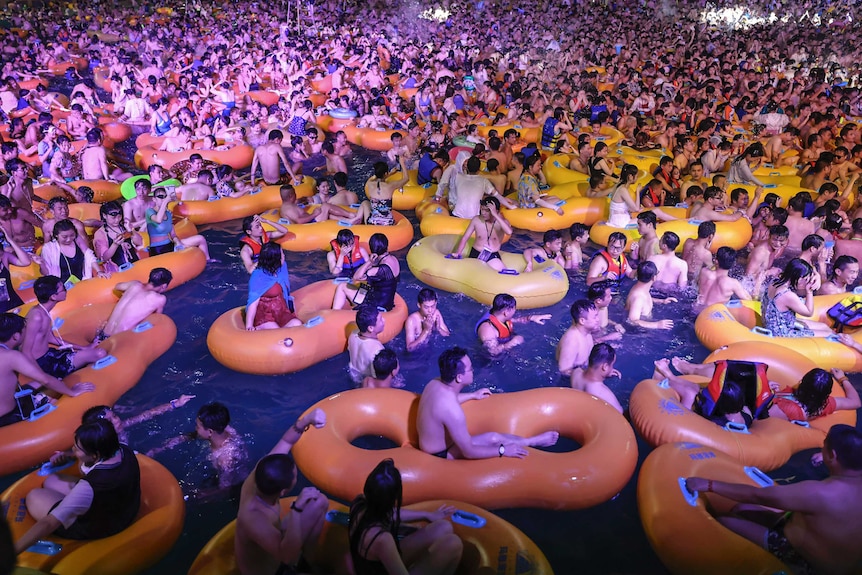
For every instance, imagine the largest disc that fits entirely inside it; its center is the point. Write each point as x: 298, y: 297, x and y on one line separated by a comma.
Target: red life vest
x: 254, y: 245
x: 352, y: 260
x: 618, y: 267
x: 504, y: 330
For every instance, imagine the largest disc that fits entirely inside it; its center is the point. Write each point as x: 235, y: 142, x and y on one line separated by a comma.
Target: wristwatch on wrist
x: 502, y: 450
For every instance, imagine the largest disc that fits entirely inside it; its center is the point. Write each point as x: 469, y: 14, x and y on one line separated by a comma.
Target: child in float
x: 375, y: 519
x: 551, y: 249
x: 600, y: 367
x: 385, y: 367
x: 253, y: 238
x: 347, y: 254
x: 421, y: 324
x: 573, y: 251
x: 269, y: 302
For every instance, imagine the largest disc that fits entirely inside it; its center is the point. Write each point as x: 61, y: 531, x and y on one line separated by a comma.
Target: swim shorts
x: 778, y: 545
x: 57, y: 362
x: 493, y: 255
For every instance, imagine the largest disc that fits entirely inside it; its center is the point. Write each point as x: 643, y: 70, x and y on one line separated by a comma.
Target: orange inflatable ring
x: 579, y: 479
x: 278, y: 351
x: 370, y: 138
x: 544, y: 286
x: 32, y: 83
x: 28, y: 443
x: 575, y: 209
x: 317, y: 235
x: 680, y: 525
x: 78, y: 62
x: 607, y: 134
x: 525, y: 134
x: 659, y: 417
x: 722, y: 324
x: 225, y: 209
x: 238, y: 157
x: 497, y: 547
x: 157, y: 527
x: 115, y: 130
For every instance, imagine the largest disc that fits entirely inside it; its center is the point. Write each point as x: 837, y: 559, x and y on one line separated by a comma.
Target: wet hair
x: 580, y: 308
x: 812, y: 241
x: 597, y: 291
x: 52, y: 203
x: 94, y: 413
x: 779, y: 215
x: 382, y: 498
x: 450, y: 363
x: 378, y: 244
x: 46, y: 286
x: 628, y: 171
x: 551, y: 236
x: 646, y: 271
x: 98, y: 438
x: 779, y: 231
x: 160, y: 277
x: 366, y: 317
x: 275, y: 135
x: 384, y: 363
x: 725, y: 257
x: 648, y: 217
x: 795, y: 270
x: 490, y: 200
x: 269, y: 259
x: 712, y: 192
x: 617, y: 237
x: 813, y: 391
x: 731, y: 400
x: 841, y: 263
x: 503, y: 301
x: 344, y: 237
x: 214, y: 416
x: 602, y: 353
x: 426, y: 295
x: 380, y: 170
x: 846, y: 442
x: 577, y: 230
x: 670, y: 239
x: 735, y: 194
x: 274, y: 473
x: 340, y: 179
x: 10, y: 324
x: 705, y: 229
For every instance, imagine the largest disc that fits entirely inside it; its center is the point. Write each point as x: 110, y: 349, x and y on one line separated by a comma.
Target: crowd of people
x: 188, y: 77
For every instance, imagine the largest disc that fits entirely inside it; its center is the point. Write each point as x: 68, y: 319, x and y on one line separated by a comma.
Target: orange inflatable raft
x: 318, y: 235
x: 276, y: 351
x: 238, y: 157
x: 578, y: 479
x: 491, y: 545
x: 659, y: 417
x: 29, y: 443
x: 155, y: 530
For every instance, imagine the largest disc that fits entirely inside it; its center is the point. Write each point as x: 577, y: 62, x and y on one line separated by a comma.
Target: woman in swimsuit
x: 780, y: 303
x: 269, y: 292
x: 375, y: 521
x: 377, y: 209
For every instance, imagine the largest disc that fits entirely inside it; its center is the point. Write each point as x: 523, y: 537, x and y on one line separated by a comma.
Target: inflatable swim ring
x: 572, y: 480
x: 215, y: 210
x: 317, y: 235
x: 547, y: 284
x: 412, y: 193
x: 343, y: 113
x: 238, y: 157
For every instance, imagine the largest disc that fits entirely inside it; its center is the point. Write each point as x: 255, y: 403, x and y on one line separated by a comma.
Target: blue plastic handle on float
x: 344, y: 223
x: 427, y: 185
x: 857, y: 290
x: 142, y: 327
x: 27, y: 284
x: 620, y: 151
x: 355, y: 206
x: 468, y: 519
x: 832, y: 337
x: 631, y: 227
x: 689, y: 496
x: 770, y: 186
x: 45, y: 547
x: 509, y: 272
x: 800, y: 423
x: 736, y: 427
x: 48, y: 468
x: 759, y: 477
x: 768, y: 165
x: 681, y: 205
x: 733, y: 303
x: 105, y: 362
x: 283, y: 221
x: 316, y: 320
x: 600, y: 138
x: 557, y: 164
x: 125, y: 267
x: 761, y: 331
x: 337, y: 517
x: 340, y: 280
x: 695, y: 222
x: 561, y: 203
x: 774, y: 173
x: 212, y: 198
x: 58, y: 323
x: 255, y: 191
x: 519, y: 127
x: 664, y: 384
x: 439, y: 210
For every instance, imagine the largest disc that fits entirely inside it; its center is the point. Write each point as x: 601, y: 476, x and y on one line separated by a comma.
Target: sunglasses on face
x: 113, y: 214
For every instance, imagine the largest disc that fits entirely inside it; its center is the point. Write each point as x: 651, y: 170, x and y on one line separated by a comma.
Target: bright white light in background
x: 436, y: 14
x: 744, y: 17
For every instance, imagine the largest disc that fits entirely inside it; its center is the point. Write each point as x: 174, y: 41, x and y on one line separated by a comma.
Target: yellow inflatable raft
x: 412, y: 193
x: 154, y: 532
x: 491, y: 545
x: 579, y: 479
x: 547, y: 284
x: 276, y: 351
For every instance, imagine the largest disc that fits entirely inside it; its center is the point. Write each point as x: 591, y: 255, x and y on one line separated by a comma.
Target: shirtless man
x: 94, y: 160
x: 797, y: 225
x: 713, y: 207
x: 179, y: 142
x: 672, y: 270
x: 496, y: 176
x: 761, y: 260
x: 799, y: 523
x: 334, y: 162
x: 442, y: 425
x: 77, y: 125
x: 778, y: 144
x: 601, y: 294
x: 852, y: 246
x: 199, y: 190
x: 19, y: 224
x: 599, y: 367
x: 343, y: 196
x: 551, y: 249
x: 269, y: 157
x: 574, y: 346
x: 489, y: 227
x: 363, y: 344
x: 573, y: 252
x: 716, y: 285
x: 13, y: 363
x: 740, y: 202
x: 844, y: 274
x: 496, y: 328
x: 421, y: 324
x: 294, y: 214
x: 64, y: 167
x: 59, y: 208
x: 648, y: 244
x: 19, y: 188
x: 138, y: 302
x: 639, y: 302
x: 65, y: 358
x: 264, y: 538
x: 696, y: 252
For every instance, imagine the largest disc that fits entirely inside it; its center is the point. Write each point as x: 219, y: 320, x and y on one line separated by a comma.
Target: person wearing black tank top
x: 375, y: 521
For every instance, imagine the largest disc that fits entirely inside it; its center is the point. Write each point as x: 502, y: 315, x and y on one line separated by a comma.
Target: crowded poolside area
x: 430, y: 287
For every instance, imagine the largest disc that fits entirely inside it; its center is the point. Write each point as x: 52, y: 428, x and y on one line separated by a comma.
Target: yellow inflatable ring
x: 497, y: 547
x: 317, y: 235
x: 154, y: 532
x: 556, y: 170
x: 579, y: 479
x: 546, y: 285
x: 277, y: 351
x: 412, y: 193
